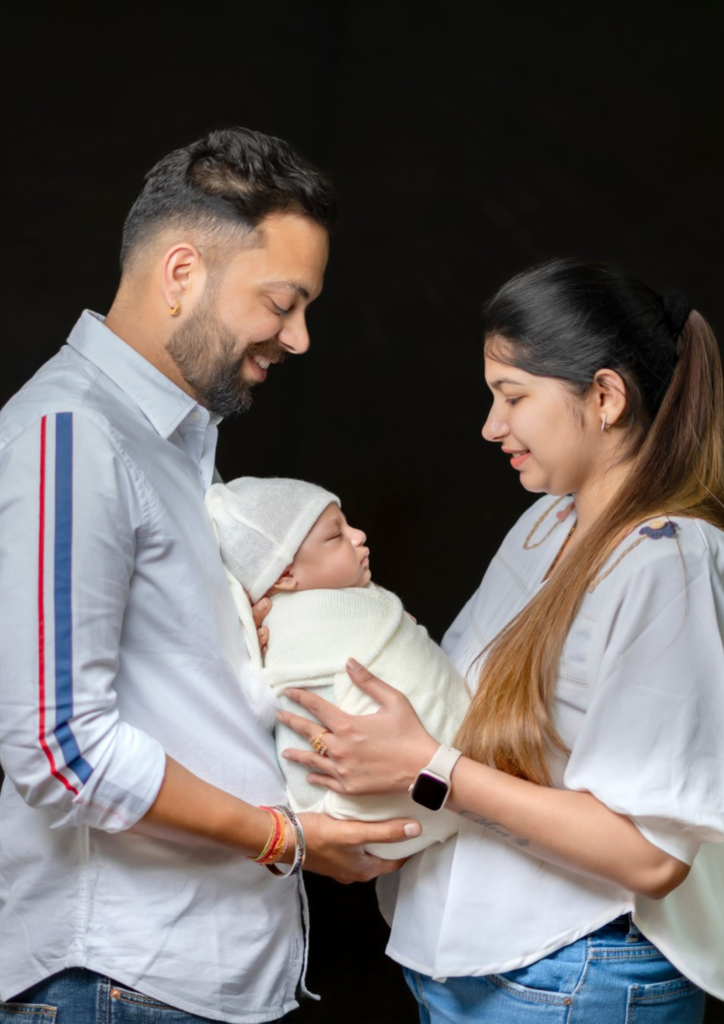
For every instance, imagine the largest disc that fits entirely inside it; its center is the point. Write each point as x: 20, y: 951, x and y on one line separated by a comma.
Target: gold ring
x: 317, y: 744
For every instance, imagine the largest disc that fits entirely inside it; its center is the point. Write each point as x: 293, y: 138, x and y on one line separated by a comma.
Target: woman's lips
x: 517, y: 460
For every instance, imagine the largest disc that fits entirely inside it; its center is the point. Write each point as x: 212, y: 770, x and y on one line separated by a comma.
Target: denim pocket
x: 130, y: 1007
x: 678, y: 1001
x: 552, y: 979
x: 525, y: 992
x: 27, y: 1013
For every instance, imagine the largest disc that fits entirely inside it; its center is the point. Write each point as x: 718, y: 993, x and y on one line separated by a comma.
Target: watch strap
x: 443, y: 761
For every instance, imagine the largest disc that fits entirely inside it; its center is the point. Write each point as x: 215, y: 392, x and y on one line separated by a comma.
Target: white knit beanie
x: 261, y: 524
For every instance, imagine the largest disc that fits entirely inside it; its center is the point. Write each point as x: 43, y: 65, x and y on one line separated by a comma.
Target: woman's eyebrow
x: 506, y: 380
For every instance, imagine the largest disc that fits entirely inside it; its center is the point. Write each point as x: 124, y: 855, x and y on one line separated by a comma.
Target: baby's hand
x: 259, y: 611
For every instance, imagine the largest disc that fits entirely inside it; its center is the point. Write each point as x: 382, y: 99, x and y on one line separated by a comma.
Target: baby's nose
x: 360, y: 538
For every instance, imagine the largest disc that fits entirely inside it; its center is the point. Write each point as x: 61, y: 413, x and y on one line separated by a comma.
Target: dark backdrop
x: 468, y: 142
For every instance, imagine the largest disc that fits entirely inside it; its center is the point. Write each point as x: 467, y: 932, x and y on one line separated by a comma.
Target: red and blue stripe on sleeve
x: 55, y: 610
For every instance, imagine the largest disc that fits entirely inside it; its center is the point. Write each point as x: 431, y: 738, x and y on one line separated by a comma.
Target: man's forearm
x: 188, y: 806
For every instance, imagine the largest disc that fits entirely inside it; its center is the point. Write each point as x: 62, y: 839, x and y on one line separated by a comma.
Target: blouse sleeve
x: 650, y: 746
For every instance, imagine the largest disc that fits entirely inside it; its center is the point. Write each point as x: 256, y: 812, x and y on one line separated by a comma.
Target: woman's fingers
x: 306, y: 728
x: 319, y: 707
x: 329, y: 713
x: 326, y: 782
x: 378, y: 690
x: 319, y: 763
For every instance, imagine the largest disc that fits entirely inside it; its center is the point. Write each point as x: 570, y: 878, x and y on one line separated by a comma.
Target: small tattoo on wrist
x: 496, y: 827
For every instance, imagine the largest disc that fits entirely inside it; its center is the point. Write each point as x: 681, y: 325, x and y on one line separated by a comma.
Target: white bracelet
x: 300, y: 850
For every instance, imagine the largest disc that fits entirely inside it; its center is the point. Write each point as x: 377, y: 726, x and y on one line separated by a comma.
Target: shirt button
x: 115, y: 993
x: 195, y: 416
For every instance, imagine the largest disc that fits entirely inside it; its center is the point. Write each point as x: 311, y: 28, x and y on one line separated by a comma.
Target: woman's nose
x: 494, y: 429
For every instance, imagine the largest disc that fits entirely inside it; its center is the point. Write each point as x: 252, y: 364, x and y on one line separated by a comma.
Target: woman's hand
x: 377, y: 753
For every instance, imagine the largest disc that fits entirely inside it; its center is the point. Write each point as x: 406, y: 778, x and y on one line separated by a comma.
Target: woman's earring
x: 604, y: 427
x: 175, y: 309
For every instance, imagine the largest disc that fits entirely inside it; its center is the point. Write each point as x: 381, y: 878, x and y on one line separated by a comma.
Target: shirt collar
x: 163, y: 403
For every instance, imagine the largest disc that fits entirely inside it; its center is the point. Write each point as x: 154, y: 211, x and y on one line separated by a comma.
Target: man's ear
x: 183, y: 277
x: 285, y: 584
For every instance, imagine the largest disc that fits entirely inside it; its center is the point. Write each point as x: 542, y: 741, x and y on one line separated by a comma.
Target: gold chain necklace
x: 626, y: 551
x: 562, y: 548
x: 655, y: 524
x: 526, y: 543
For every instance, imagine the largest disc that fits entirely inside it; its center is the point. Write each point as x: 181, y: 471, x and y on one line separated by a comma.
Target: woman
x: 592, y: 768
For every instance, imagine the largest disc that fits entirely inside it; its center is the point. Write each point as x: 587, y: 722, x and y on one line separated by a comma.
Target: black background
x: 468, y: 142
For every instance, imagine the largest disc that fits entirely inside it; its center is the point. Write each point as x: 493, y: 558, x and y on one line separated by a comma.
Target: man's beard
x: 207, y: 356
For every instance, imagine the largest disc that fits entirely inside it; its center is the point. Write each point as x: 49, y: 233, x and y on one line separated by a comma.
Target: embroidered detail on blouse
x: 659, y: 528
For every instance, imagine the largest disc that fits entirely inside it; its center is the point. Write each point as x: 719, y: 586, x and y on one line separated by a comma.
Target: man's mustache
x: 270, y: 350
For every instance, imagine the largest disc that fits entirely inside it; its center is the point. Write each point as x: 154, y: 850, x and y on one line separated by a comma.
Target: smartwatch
x: 431, y: 788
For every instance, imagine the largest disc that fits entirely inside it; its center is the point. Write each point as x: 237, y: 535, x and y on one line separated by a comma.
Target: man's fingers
x: 263, y: 635
x: 386, y: 867
x: 260, y: 610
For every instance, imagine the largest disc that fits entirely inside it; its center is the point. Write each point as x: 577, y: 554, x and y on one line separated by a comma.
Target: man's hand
x: 259, y: 611
x: 336, y: 848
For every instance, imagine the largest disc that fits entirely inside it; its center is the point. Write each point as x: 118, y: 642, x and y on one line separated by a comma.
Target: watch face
x: 429, y: 791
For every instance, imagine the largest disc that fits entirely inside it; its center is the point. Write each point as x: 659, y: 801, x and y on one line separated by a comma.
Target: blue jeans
x: 613, y: 976
x: 77, y: 996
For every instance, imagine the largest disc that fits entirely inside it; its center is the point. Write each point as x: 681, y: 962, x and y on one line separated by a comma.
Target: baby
x: 290, y: 540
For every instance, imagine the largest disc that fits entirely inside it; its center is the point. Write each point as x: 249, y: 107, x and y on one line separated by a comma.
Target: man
x: 136, y: 742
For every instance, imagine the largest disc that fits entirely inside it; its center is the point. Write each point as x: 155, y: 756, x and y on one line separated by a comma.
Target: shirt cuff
x: 123, y: 787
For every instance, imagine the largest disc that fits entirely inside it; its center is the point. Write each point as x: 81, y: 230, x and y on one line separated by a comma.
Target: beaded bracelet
x: 300, y: 850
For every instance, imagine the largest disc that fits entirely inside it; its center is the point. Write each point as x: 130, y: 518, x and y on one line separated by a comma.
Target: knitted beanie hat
x: 261, y: 524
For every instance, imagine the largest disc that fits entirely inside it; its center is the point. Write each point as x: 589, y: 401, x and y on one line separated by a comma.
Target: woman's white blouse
x: 640, y: 703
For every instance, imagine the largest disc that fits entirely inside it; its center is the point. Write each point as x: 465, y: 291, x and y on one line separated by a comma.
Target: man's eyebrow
x: 290, y: 286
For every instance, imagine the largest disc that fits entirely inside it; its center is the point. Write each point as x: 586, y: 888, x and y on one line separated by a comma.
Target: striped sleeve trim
x: 55, y: 610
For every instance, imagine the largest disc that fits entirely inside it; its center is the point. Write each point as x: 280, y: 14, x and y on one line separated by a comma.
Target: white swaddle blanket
x: 312, y: 633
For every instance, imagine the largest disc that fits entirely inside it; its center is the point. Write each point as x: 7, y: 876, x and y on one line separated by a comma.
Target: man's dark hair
x: 226, y: 183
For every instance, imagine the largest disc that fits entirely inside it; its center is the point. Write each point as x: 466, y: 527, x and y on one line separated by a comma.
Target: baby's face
x: 333, y: 555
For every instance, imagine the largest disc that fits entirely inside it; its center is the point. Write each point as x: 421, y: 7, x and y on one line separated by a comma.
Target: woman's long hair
x: 568, y: 319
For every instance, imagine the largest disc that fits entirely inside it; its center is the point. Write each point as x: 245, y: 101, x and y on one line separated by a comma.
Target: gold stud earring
x: 175, y: 309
